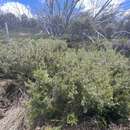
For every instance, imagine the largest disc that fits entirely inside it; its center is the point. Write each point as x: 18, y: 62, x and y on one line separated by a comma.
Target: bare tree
x: 57, y: 15
x: 98, y: 21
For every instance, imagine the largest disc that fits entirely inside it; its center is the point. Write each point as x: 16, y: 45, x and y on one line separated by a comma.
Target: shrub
x: 122, y: 46
x: 68, y: 85
x: 73, y: 85
x: 20, y: 58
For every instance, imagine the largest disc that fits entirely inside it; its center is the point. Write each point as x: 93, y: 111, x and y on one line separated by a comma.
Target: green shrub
x: 20, y: 58
x: 67, y: 85
x: 72, y: 119
x: 73, y: 85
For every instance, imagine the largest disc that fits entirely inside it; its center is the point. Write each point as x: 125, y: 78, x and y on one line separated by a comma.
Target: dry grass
x: 13, y: 119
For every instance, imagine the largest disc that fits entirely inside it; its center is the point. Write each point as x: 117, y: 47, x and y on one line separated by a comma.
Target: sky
x: 35, y: 5
x: 127, y: 4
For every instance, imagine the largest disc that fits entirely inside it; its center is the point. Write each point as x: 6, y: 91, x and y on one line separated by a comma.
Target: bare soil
x: 12, y: 110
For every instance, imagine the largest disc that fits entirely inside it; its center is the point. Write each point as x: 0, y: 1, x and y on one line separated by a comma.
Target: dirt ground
x: 13, y: 119
x: 12, y: 110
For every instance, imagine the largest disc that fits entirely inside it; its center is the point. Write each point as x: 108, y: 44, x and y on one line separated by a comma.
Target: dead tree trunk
x: 7, y: 32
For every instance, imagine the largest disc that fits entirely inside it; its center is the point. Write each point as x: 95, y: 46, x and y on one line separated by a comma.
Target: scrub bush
x: 80, y: 84
x: 20, y: 58
x: 68, y: 85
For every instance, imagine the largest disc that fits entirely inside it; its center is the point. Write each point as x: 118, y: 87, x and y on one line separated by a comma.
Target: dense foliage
x: 68, y: 85
x: 72, y: 85
x: 20, y: 58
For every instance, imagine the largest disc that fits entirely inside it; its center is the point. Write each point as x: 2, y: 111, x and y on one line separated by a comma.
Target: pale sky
x: 19, y: 9
x: 88, y: 4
